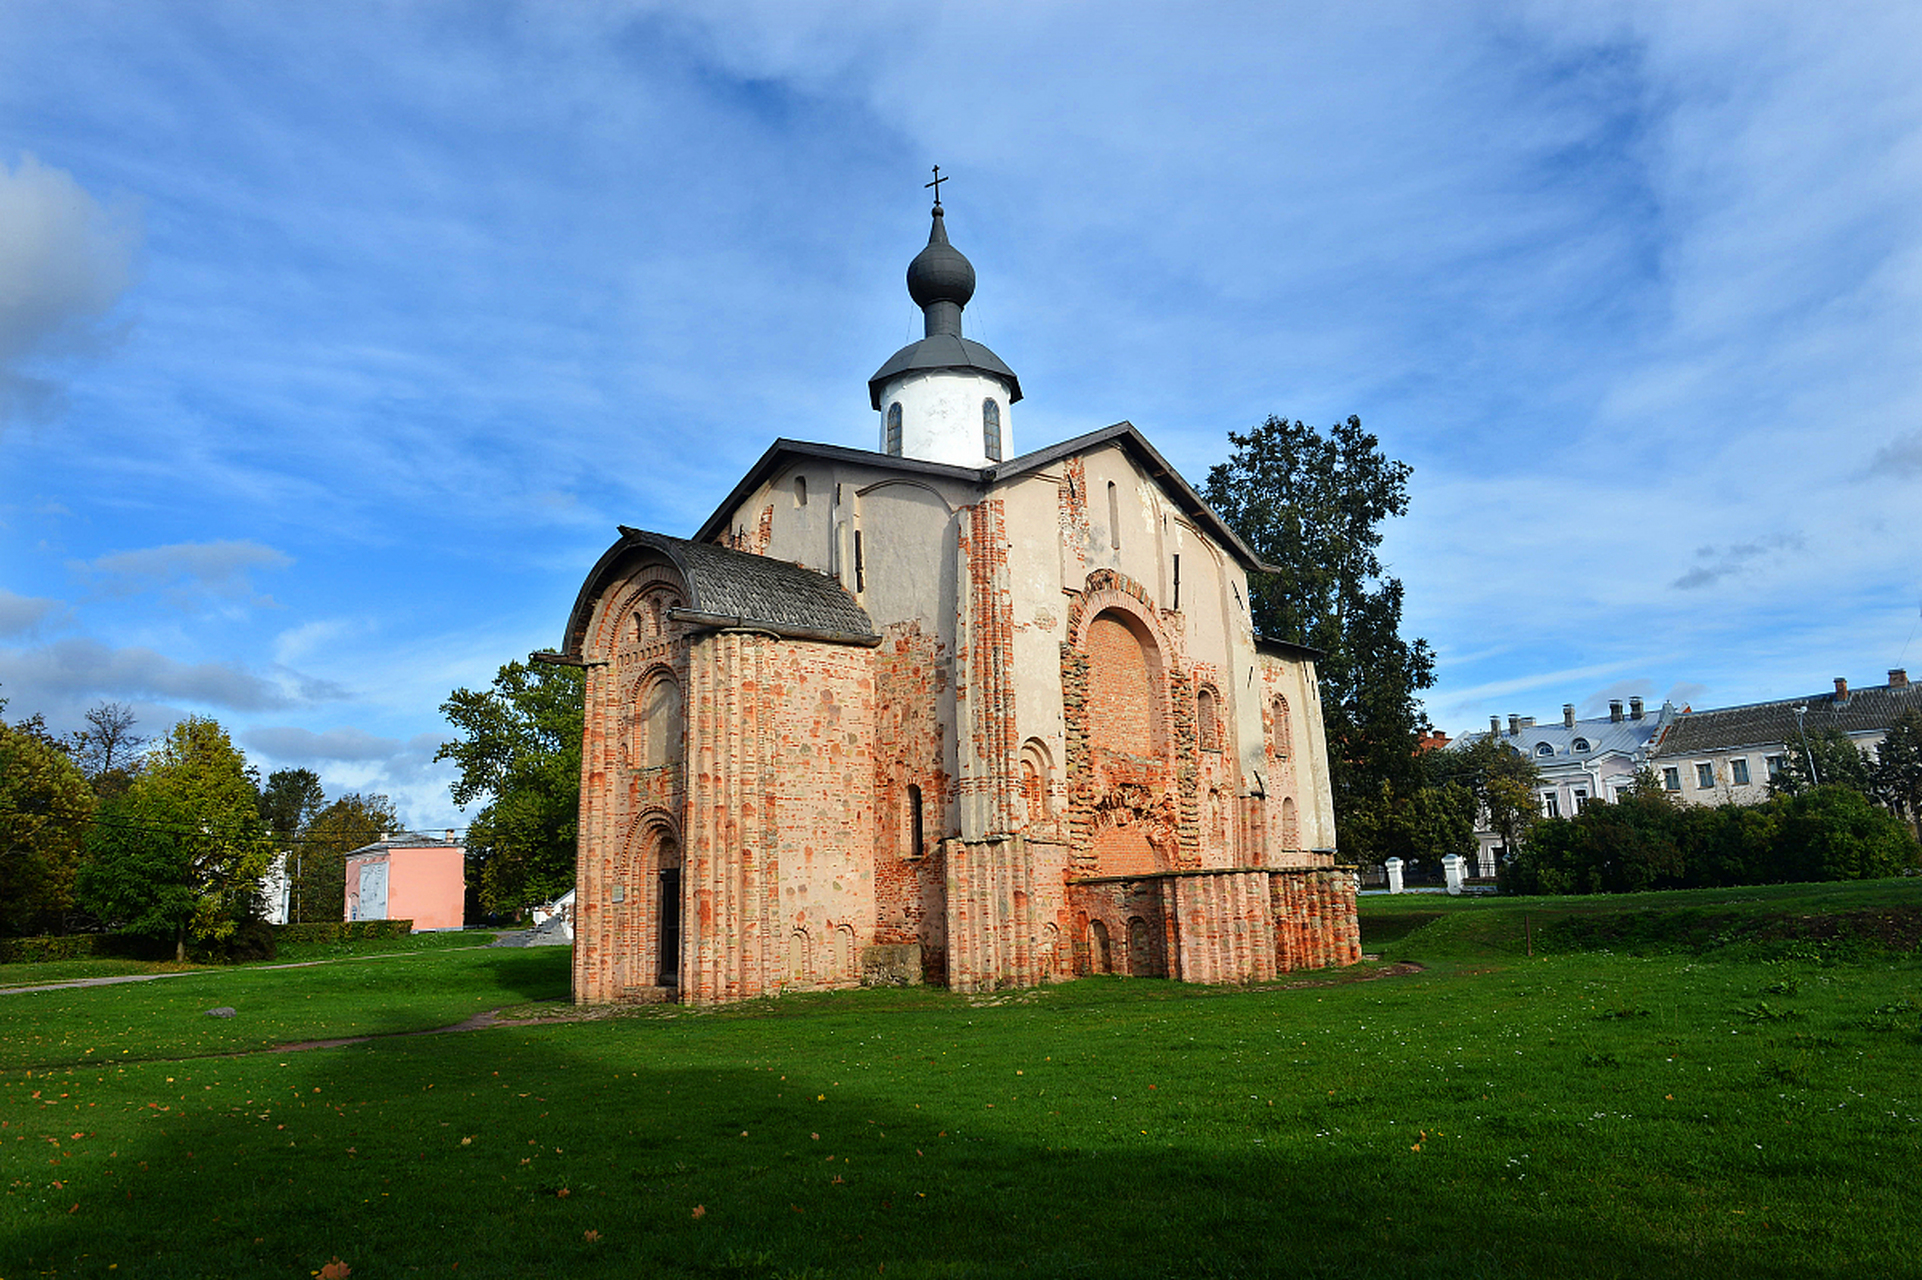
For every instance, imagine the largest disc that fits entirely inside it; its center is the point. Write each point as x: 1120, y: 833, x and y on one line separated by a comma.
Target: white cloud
x: 65, y: 261
x: 187, y: 572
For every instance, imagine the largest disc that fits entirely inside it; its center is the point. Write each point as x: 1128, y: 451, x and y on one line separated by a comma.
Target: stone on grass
x: 224, y: 1011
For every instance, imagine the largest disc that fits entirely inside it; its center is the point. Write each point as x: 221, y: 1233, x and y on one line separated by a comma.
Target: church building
x: 945, y: 712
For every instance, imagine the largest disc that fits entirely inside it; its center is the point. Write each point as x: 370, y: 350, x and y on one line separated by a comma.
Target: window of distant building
x: 1551, y: 807
x: 1580, y: 744
x: 991, y: 430
x: 1671, y: 779
x: 1704, y: 776
x: 1543, y: 749
x: 1775, y: 766
x: 894, y: 429
x: 1738, y: 772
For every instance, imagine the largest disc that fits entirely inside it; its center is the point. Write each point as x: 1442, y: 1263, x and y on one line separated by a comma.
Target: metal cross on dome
x: 936, y: 184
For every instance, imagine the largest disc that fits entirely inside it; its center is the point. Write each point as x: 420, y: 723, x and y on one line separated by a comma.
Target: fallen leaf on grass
x: 700, y: 1211
x: 563, y: 1193
x: 590, y: 1236
x: 335, y: 1270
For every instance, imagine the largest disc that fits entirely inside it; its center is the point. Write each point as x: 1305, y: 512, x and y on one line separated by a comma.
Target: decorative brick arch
x: 633, y: 612
x: 1130, y: 811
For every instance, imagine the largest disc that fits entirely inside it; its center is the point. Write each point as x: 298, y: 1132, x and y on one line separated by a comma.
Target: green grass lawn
x: 1575, y: 1113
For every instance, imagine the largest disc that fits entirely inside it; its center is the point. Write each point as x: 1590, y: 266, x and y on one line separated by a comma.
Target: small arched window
x: 800, y: 491
x: 1543, y: 749
x: 991, y: 429
x: 894, y: 429
x: 1114, y: 516
x: 1580, y: 744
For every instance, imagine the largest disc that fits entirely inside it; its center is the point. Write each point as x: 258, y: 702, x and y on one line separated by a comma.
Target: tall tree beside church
x: 1313, y: 505
x: 181, y: 853
x: 520, y: 751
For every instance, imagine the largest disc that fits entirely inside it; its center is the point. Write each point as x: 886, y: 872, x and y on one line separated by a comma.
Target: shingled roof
x: 1869, y: 710
x: 733, y: 589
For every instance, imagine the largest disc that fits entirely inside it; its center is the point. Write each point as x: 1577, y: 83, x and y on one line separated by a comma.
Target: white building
x: 1727, y: 755
x: 1579, y: 760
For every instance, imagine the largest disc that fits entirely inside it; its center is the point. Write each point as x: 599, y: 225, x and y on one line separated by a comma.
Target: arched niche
x: 1037, y: 781
x: 658, y: 736
x: 1126, y: 691
x: 1281, y: 737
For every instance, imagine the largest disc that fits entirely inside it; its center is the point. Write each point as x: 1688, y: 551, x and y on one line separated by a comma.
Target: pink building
x: 409, y: 876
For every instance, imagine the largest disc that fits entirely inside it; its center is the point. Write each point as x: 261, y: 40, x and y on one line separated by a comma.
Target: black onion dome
x: 940, y: 272
x: 941, y: 280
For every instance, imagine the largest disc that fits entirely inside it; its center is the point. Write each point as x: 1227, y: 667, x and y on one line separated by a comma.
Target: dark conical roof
x: 941, y: 281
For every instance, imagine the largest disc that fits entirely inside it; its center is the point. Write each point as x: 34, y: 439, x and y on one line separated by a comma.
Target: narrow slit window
x: 991, y: 429
x: 894, y: 429
x: 860, y: 569
x: 917, y: 843
x: 800, y: 491
x: 1114, y: 516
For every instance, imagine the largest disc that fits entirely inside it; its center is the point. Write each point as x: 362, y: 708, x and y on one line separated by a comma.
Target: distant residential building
x: 1728, y: 755
x: 1579, y: 760
x: 409, y: 877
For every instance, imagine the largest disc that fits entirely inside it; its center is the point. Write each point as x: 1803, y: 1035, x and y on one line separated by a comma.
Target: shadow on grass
x: 577, y: 1151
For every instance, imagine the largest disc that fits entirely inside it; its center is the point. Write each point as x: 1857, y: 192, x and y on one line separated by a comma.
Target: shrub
x: 342, y: 930
x: 1644, y: 842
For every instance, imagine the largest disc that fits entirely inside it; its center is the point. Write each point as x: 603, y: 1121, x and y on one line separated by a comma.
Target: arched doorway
x: 668, y: 971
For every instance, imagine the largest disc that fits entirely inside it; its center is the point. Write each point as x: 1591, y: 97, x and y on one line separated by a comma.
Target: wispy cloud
x: 79, y: 668
x: 187, y: 573
x: 1726, y: 561
x: 1900, y: 457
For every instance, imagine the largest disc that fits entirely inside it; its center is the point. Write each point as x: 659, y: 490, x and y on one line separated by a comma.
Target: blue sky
x: 335, y: 340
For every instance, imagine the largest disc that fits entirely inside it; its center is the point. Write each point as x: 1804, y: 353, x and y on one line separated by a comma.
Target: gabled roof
x: 1122, y: 434
x: 781, y: 453
x: 731, y: 588
x: 1759, y: 724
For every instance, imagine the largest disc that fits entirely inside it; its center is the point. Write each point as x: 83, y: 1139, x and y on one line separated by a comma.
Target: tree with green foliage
x: 289, y: 802
x: 520, y: 752
x: 319, y: 865
x: 1504, y: 783
x: 181, y: 853
x: 1312, y: 504
x: 45, y: 805
x: 1897, y: 777
x: 1837, y: 762
x: 1833, y: 832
